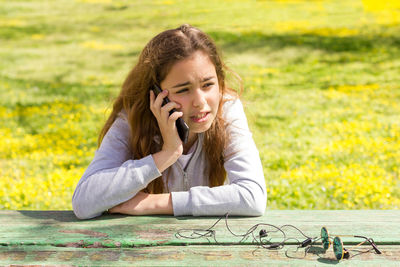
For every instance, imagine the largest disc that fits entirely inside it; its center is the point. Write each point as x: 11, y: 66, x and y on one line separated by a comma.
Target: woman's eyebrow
x: 181, y: 84
x: 188, y: 83
x: 208, y: 78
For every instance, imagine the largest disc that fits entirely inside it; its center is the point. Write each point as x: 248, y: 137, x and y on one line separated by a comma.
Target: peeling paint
x: 18, y: 255
x: 154, y: 234
x: 84, y: 232
x: 69, y: 255
x: 43, y: 255
x: 153, y: 255
x: 105, y: 256
x: 215, y: 255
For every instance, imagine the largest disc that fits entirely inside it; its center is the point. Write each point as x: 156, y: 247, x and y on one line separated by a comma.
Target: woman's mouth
x: 201, y: 117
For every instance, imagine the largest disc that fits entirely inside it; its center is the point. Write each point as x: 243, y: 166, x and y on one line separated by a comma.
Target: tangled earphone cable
x: 199, y: 233
x: 262, y: 238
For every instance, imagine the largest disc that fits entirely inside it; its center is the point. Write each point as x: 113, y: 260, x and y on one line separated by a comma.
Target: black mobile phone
x: 183, y: 129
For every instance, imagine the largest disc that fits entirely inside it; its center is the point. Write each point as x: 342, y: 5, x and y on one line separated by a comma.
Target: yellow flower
x: 96, y: 45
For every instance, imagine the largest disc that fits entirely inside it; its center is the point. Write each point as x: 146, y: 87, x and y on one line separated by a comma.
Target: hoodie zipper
x: 185, y: 181
x: 185, y: 171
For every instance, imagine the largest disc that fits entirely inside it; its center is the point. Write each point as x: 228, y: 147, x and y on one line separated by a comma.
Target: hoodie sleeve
x: 113, y: 176
x: 245, y: 194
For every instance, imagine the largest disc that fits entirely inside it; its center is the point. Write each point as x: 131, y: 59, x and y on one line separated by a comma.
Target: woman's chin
x: 199, y: 127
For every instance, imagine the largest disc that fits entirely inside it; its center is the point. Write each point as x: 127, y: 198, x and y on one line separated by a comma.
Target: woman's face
x: 193, y: 83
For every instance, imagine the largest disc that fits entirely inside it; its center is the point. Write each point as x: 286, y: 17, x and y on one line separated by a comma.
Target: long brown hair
x: 154, y: 63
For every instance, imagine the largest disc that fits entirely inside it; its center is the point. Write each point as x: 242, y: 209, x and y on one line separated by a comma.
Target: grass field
x: 321, y: 92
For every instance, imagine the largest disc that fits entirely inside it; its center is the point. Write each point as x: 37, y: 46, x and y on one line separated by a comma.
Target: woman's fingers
x: 152, y: 96
x: 167, y: 108
x: 167, y: 122
x: 160, y: 111
x: 156, y: 101
x: 174, y: 116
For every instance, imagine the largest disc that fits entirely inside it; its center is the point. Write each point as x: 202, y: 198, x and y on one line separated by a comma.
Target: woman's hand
x: 145, y: 204
x: 172, y: 145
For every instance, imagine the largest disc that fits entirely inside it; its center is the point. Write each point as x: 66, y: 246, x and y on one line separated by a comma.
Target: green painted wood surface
x: 195, y: 255
x: 147, y: 240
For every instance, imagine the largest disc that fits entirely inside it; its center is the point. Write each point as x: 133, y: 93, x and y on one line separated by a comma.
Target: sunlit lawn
x: 321, y: 92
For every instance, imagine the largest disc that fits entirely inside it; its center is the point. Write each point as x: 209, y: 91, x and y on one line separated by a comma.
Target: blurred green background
x: 321, y: 92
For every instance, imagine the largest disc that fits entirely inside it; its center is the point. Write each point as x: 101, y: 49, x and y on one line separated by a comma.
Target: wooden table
x: 57, y: 237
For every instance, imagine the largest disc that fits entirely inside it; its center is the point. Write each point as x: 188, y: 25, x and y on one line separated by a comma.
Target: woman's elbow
x: 256, y: 202
x: 82, y: 213
x: 81, y: 210
x: 258, y: 209
x: 78, y: 210
x: 257, y: 206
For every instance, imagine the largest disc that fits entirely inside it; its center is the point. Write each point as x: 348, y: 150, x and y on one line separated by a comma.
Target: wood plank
x: 190, y: 255
x: 62, y: 228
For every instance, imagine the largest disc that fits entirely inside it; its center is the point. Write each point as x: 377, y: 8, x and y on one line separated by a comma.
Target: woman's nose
x: 199, y: 98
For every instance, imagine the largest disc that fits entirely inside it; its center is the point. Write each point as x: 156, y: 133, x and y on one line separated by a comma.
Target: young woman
x: 142, y: 167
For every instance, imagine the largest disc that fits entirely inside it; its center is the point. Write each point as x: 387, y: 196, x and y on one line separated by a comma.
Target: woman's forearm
x: 162, y: 203
x: 163, y: 159
x: 146, y: 204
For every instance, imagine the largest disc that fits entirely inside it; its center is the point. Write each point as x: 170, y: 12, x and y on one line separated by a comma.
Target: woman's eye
x: 208, y: 84
x: 182, y: 90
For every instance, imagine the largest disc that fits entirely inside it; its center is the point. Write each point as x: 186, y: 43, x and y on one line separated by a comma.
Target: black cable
x: 262, y: 241
x: 289, y: 225
x: 263, y: 238
x: 206, y: 233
